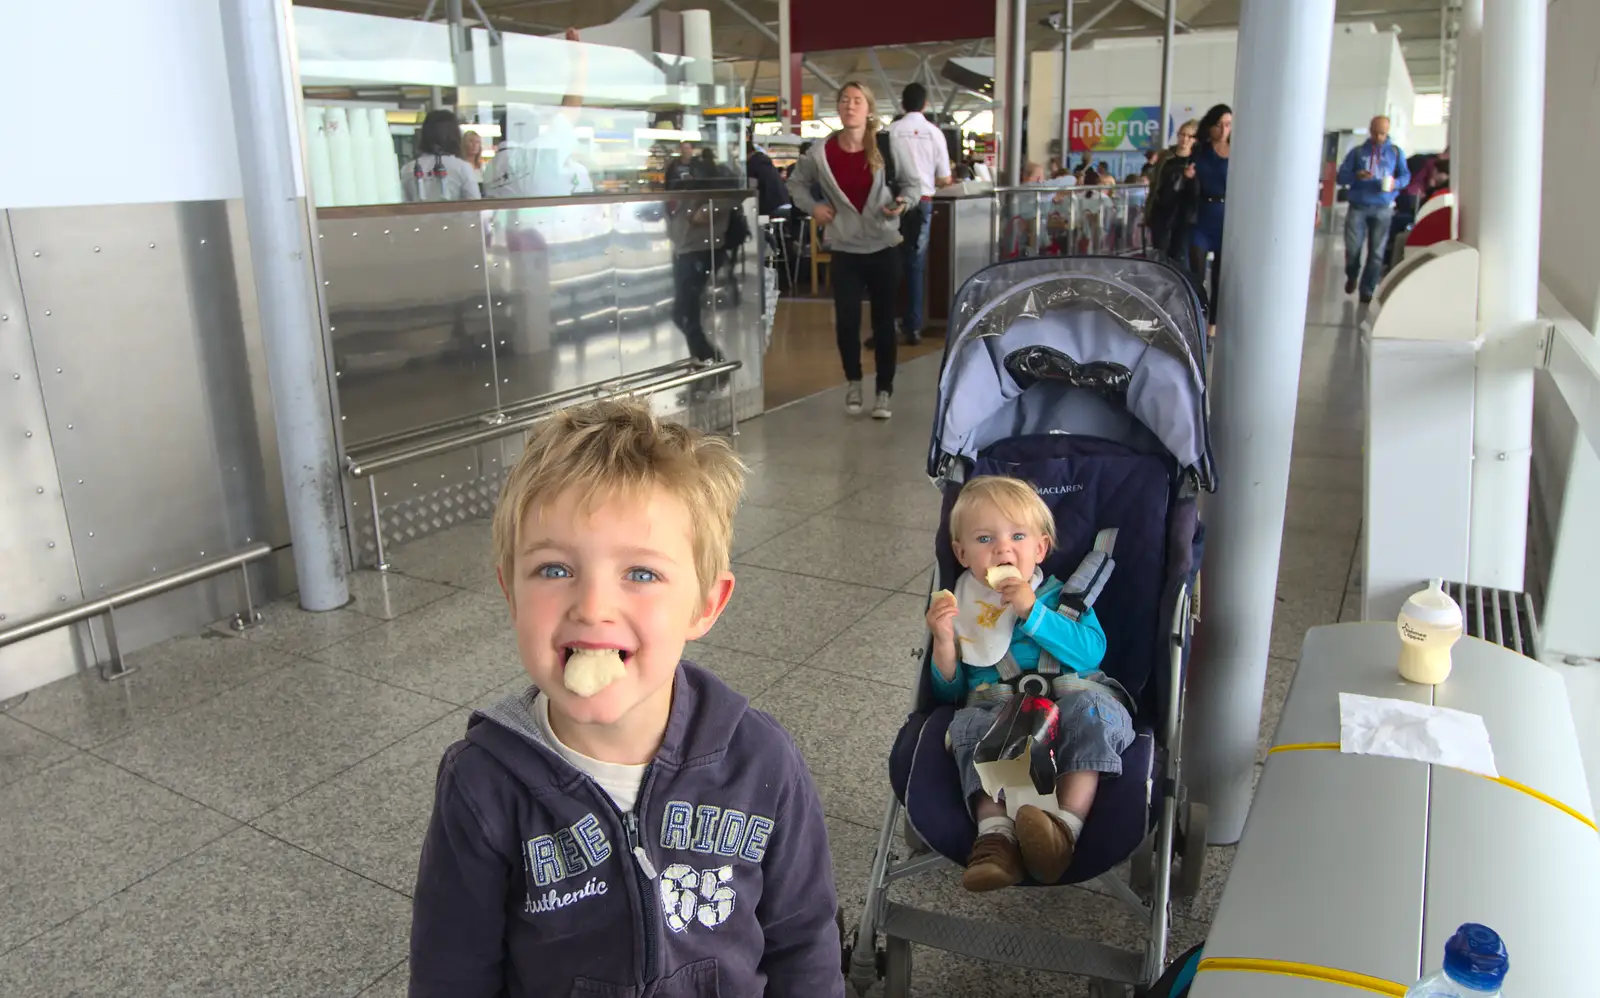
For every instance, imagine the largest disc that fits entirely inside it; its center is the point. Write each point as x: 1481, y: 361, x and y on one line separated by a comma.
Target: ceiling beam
x: 1160, y: 11
x: 761, y: 26
x: 639, y: 9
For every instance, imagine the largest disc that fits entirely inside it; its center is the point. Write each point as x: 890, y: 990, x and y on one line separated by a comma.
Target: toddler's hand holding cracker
x: 942, y: 615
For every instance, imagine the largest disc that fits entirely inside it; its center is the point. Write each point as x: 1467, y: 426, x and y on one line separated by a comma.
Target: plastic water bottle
x: 1475, y: 965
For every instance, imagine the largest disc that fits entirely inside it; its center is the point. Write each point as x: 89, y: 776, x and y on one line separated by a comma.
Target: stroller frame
x: 1110, y: 969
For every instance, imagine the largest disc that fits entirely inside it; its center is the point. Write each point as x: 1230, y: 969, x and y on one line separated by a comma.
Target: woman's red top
x: 851, y: 171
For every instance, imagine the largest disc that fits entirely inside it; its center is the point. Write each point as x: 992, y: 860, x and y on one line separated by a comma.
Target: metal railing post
x: 249, y: 616
x: 377, y: 522
x: 116, y: 667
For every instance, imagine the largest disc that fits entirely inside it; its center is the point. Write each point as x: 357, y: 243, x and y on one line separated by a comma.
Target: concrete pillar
x: 1166, y: 73
x: 788, y: 93
x: 1512, y: 84
x: 1466, y: 171
x: 1281, y: 100
x: 1012, y: 152
x: 274, y: 210
x: 1066, y: 86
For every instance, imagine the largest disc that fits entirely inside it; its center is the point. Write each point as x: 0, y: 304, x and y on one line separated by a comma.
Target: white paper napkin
x: 1401, y: 729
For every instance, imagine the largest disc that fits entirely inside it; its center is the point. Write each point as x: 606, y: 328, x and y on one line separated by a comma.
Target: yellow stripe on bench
x: 1502, y: 780
x: 1306, y: 971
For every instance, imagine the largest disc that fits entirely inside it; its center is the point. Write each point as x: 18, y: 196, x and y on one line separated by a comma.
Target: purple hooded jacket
x: 718, y: 885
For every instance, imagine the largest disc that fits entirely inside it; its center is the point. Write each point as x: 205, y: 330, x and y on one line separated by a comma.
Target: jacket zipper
x: 645, y: 874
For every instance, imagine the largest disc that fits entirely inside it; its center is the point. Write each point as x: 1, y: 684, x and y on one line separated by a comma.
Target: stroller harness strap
x: 1078, y: 594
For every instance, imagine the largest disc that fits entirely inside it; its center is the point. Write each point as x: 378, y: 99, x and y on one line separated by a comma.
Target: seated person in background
x: 1006, y: 618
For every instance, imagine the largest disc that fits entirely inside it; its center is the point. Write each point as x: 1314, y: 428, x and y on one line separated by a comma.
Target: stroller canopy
x: 1128, y: 329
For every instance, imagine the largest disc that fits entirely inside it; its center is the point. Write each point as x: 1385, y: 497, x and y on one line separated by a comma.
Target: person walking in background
x: 438, y: 173
x: 844, y: 183
x: 1211, y: 180
x: 1175, y: 197
x: 1374, y: 171
x: 921, y: 158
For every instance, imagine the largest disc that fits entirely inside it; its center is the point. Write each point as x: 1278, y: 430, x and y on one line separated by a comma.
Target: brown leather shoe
x: 994, y: 863
x: 1045, y: 842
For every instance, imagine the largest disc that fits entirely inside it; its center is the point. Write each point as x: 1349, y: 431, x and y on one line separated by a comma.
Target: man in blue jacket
x: 1374, y: 171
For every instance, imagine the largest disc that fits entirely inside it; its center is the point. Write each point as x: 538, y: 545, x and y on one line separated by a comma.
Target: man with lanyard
x: 1374, y: 171
x: 921, y: 156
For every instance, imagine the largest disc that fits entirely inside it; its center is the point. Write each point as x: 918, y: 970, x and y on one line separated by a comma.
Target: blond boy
x: 1006, y: 614
x: 629, y: 825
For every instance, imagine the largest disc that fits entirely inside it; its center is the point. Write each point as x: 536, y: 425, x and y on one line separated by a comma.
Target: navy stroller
x: 1084, y: 376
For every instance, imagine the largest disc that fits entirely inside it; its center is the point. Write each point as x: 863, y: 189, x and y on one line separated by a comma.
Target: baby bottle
x: 1429, y: 624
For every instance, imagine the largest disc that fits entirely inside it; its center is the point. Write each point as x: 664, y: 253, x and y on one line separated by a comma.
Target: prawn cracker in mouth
x: 590, y: 670
x: 999, y: 574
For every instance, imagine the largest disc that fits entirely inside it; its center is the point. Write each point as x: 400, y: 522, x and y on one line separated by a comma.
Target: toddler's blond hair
x: 614, y: 449
x: 1016, y: 500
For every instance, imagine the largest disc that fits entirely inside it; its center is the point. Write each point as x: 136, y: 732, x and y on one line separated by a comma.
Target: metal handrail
x: 107, y: 605
x: 533, y: 412
x: 412, y: 209
x: 497, y: 417
x: 1068, y: 188
x: 536, y: 411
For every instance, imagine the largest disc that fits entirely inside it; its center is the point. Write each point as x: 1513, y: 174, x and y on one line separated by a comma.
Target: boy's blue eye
x: 642, y: 575
x: 552, y: 572
x: 1019, y: 536
x: 984, y: 538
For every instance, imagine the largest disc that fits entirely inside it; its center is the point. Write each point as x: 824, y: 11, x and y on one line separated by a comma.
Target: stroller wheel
x: 897, y: 968
x: 1192, y: 854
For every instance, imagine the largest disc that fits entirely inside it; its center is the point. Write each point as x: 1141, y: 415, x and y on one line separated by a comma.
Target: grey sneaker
x: 852, y: 398
x: 880, y: 407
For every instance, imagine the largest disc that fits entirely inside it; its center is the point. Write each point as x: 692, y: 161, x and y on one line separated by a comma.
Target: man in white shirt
x: 920, y: 155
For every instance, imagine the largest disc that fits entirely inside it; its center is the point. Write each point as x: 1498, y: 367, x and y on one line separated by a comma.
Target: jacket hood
x: 700, y: 727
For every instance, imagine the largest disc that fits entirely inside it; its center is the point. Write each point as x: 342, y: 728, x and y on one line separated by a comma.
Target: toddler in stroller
x: 989, y: 633
x: 1083, y: 380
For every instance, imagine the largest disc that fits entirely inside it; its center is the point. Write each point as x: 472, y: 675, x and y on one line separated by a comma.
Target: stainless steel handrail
x: 414, y: 208
x: 1059, y: 188
x: 497, y: 417
x: 108, y: 604
x: 535, y: 412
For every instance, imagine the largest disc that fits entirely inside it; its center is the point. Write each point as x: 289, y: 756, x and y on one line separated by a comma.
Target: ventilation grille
x: 1498, y: 616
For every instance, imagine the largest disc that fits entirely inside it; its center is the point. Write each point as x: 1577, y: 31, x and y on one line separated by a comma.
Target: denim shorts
x: 1095, y: 730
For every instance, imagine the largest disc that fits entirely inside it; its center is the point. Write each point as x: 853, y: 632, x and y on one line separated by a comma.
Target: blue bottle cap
x: 1475, y: 957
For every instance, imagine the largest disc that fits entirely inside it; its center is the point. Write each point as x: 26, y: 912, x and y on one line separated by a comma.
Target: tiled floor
x: 802, y: 360
x: 242, y: 815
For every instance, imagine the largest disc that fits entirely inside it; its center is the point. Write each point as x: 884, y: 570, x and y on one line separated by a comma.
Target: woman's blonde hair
x: 874, y: 156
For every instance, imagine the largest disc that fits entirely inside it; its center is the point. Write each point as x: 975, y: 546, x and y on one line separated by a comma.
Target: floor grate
x: 1498, y: 616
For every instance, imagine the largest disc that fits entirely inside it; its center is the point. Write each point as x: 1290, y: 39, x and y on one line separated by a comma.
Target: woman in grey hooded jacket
x: 846, y: 186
